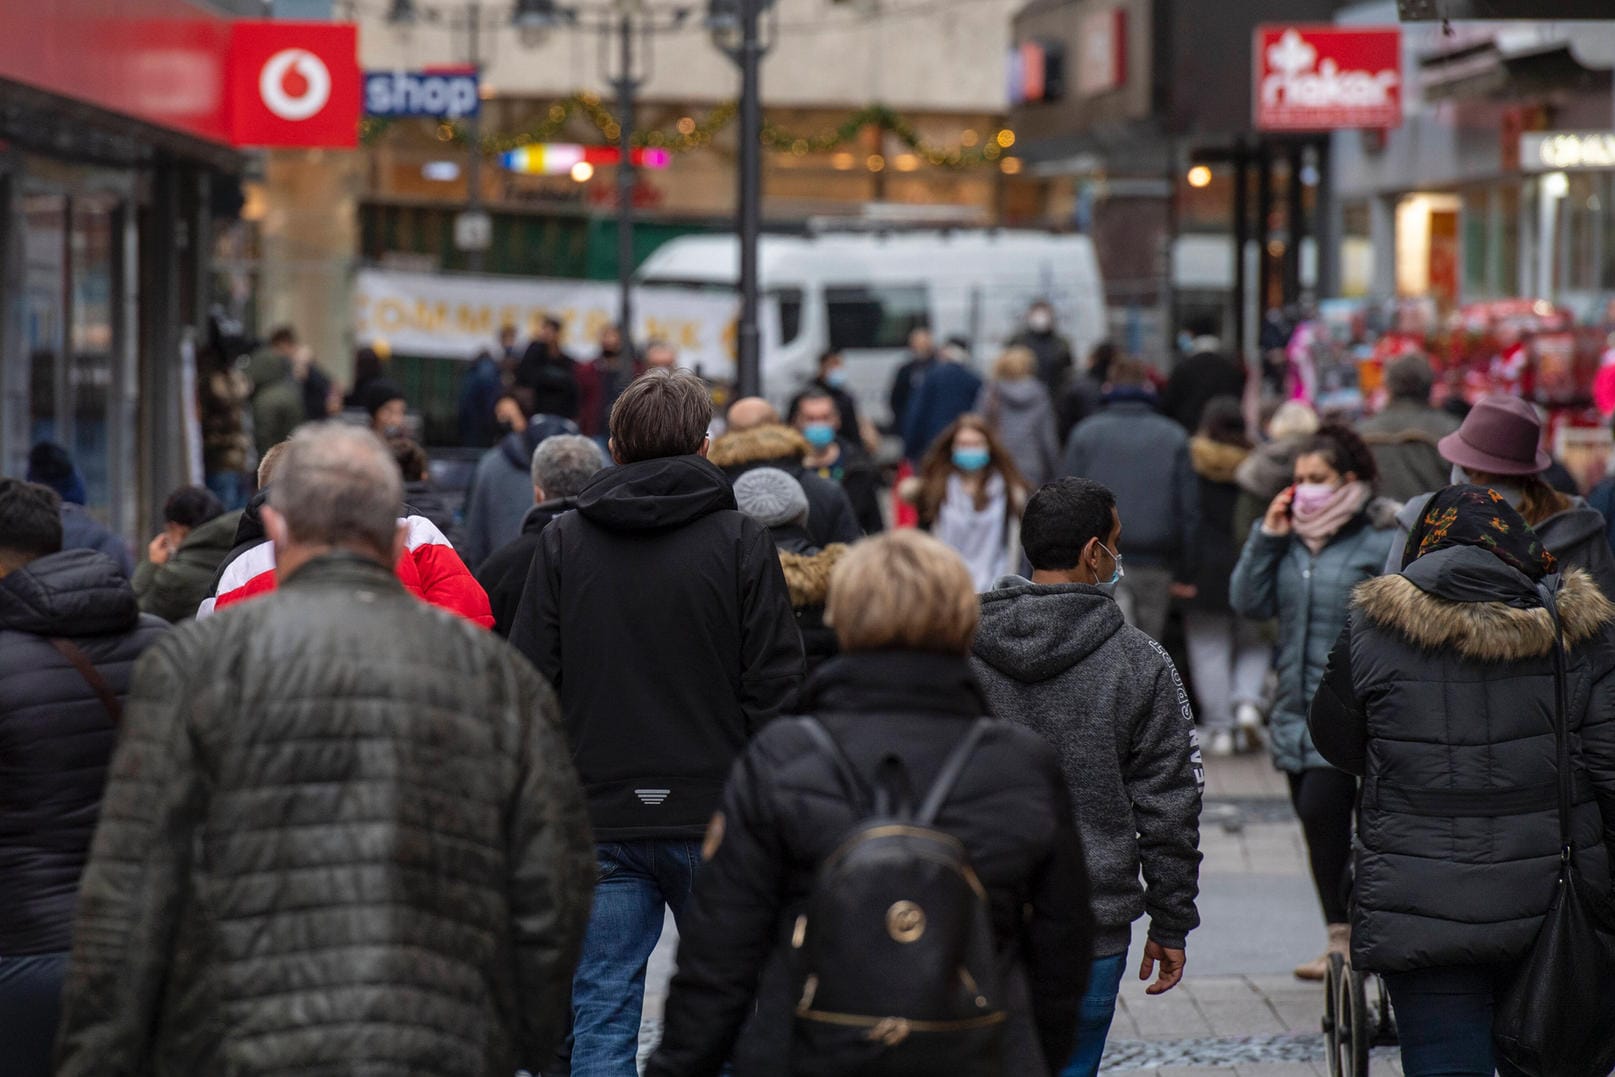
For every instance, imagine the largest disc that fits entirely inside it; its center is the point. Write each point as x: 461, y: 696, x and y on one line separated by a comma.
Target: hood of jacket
x: 652, y: 495
x: 1033, y: 632
x: 1568, y: 529
x: 217, y: 536
x: 250, y: 528
x: 72, y: 593
x: 807, y: 576
x: 1467, y: 600
x: 1215, y: 461
x: 1269, y: 468
x: 1022, y: 394
x: 766, y: 444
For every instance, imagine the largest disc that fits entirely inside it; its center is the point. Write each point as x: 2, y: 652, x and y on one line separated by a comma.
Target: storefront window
x: 90, y: 377
x: 45, y: 263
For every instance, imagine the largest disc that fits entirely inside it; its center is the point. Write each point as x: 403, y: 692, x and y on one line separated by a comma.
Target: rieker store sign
x: 1325, y: 78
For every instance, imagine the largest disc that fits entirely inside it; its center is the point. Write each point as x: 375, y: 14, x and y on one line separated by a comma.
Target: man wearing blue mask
x: 830, y: 378
x: 1054, y: 654
x: 839, y: 458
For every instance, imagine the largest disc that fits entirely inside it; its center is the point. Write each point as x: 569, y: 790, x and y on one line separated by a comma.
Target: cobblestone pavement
x: 1238, y: 1012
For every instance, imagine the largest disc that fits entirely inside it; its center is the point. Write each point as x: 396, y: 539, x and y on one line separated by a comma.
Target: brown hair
x: 902, y: 591
x: 1540, y: 501
x: 409, y: 456
x: 662, y: 413
x: 937, y: 466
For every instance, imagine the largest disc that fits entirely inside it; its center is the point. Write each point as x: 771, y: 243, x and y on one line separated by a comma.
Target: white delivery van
x: 861, y: 293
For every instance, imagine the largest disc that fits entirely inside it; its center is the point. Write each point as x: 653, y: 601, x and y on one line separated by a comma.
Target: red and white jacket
x: 428, y: 568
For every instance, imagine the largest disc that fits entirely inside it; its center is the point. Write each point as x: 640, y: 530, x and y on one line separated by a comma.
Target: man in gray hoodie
x: 1054, y: 654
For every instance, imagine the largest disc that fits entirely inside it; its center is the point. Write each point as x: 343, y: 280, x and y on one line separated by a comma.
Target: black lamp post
x: 736, y: 27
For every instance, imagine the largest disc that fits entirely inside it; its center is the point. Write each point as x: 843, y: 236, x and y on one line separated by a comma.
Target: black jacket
x: 859, y: 478
x: 553, y: 379
x: 504, y: 574
x: 1214, y: 465
x: 55, y: 736
x: 658, y: 612
x: 1440, y: 695
x: 1196, y: 382
x: 784, y: 812
x: 340, y: 836
x: 423, y: 499
x: 830, y: 513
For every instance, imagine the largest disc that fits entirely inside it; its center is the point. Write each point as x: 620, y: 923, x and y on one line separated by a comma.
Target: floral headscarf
x: 1476, y: 516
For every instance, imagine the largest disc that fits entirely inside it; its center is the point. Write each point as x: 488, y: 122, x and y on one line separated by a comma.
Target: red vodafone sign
x: 1320, y: 78
x: 294, y: 84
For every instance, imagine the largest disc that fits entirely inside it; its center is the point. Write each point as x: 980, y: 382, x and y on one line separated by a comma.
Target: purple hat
x: 1501, y: 436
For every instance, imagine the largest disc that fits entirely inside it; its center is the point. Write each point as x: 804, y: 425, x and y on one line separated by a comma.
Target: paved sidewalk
x: 1239, y: 1012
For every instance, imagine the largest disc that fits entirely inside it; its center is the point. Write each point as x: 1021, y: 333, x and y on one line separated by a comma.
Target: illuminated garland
x: 692, y: 133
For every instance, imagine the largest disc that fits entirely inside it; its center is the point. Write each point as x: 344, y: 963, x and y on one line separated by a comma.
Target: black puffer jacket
x: 321, y: 855
x: 1440, y: 694
x: 658, y: 612
x: 504, y: 574
x: 785, y: 812
x: 55, y: 736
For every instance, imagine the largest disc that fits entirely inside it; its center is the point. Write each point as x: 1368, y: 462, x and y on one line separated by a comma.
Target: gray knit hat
x: 771, y: 497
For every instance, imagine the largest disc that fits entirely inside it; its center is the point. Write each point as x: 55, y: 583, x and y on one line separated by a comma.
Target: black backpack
x: 895, y: 967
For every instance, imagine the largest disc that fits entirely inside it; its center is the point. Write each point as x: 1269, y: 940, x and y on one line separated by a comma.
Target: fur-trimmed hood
x: 807, y: 576
x: 1216, y: 461
x: 1484, y: 631
x: 768, y: 443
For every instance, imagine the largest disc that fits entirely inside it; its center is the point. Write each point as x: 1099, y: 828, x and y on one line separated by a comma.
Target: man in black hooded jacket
x: 660, y: 614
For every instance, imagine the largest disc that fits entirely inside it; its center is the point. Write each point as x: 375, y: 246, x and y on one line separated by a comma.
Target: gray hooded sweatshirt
x: 1059, y: 660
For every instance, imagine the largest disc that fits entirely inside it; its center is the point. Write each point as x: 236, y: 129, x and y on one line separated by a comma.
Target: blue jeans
x: 230, y: 487
x: 30, y: 1009
x: 1444, y: 1020
x: 1098, y: 1011
x: 636, y: 880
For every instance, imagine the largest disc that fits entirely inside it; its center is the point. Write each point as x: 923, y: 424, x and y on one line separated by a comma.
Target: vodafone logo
x: 297, y: 100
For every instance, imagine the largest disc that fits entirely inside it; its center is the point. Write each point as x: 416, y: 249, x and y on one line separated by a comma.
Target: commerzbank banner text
x: 456, y: 316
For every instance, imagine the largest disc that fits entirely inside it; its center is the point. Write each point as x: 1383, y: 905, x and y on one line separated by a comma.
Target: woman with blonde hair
x: 969, y: 493
x: 895, y: 706
x: 1017, y: 406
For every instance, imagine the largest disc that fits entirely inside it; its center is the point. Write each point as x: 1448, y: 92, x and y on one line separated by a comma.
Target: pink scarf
x: 1317, y: 528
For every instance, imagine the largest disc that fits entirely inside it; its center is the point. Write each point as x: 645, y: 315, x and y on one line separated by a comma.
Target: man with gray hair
x: 340, y: 831
x: 1403, y: 435
x: 562, y: 466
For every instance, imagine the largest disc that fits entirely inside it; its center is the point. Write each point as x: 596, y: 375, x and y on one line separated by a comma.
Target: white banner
x: 456, y: 316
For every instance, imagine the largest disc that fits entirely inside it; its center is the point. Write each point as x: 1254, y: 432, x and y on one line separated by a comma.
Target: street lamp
x: 729, y: 20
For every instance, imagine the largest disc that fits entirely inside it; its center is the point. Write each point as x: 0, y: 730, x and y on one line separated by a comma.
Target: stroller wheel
x: 1333, y: 1026
x: 1357, y: 1031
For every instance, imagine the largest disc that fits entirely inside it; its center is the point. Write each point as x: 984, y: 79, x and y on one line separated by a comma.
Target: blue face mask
x: 971, y: 459
x: 836, y: 379
x: 1115, y: 577
x: 819, y: 435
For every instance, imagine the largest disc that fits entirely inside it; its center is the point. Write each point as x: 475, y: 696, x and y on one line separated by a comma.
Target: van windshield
x: 874, y: 315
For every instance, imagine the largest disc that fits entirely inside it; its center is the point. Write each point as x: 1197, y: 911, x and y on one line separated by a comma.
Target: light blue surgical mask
x: 1513, y: 493
x: 971, y: 459
x: 819, y: 435
x: 1115, y: 577
x: 836, y: 379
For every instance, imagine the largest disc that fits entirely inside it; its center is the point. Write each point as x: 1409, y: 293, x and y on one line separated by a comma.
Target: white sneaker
x: 1248, y: 716
x: 1221, y: 743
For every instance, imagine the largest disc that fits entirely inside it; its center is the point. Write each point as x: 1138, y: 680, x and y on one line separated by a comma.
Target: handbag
x: 1553, y: 1018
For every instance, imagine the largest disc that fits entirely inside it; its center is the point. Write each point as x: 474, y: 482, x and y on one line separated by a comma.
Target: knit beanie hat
x: 771, y: 497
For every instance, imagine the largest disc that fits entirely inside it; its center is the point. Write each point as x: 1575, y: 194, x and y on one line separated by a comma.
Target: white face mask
x: 1040, y: 321
x: 1513, y: 493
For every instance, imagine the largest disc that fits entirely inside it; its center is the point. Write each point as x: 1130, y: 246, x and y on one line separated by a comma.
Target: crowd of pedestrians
x: 410, y: 786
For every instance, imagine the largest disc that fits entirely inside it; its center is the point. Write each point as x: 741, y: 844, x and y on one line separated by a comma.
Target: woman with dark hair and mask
x: 1320, y: 538
x: 1499, y: 446
x: 1440, y: 694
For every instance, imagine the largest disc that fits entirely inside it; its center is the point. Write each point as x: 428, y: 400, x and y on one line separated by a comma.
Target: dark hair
x: 284, y: 334
x: 1100, y: 359
x: 1062, y: 518
x: 409, y: 456
x: 661, y: 413
x: 1128, y: 372
x: 1202, y: 325
x: 1344, y: 450
x: 524, y: 401
x: 814, y: 393
x: 30, y: 520
x: 192, y: 506
x: 833, y: 353
x: 381, y: 392
x: 1224, y: 422
x: 552, y: 322
x: 1409, y: 377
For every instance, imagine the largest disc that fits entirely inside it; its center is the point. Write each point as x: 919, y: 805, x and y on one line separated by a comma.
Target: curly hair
x: 1345, y: 451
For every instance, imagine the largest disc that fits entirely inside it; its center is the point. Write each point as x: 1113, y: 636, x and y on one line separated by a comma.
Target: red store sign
x: 294, y: 84
x: 1322, y: 78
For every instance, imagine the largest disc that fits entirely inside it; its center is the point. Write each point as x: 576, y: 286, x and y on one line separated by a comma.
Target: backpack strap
x: 853, y: 785
x: 952, y: 769
x: 92, y: 677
